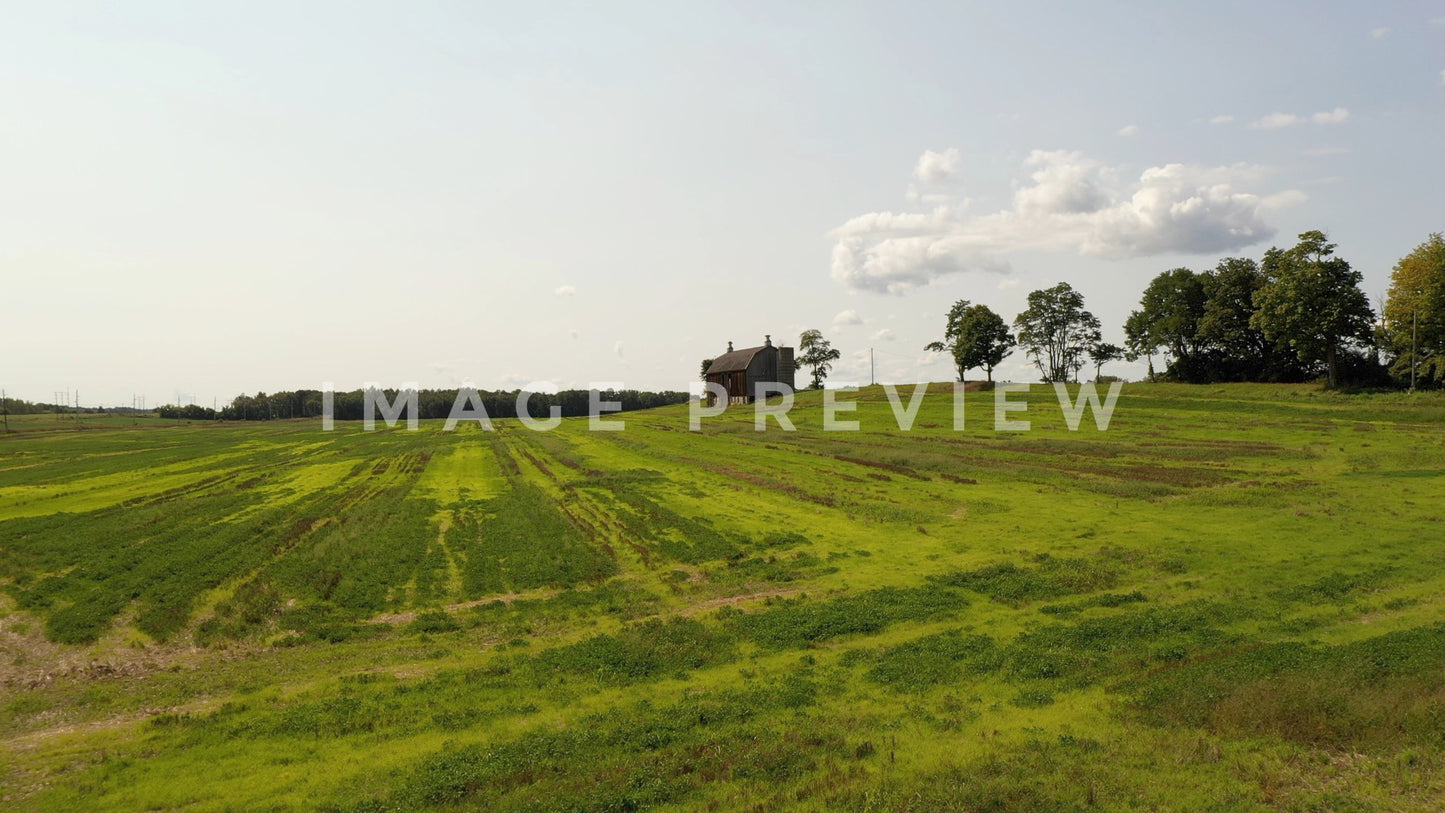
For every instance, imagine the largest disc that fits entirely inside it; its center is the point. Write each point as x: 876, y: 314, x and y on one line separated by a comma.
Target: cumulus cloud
x: 1337, y: 116
x: 1222, y: 118
x: 1380, y: 33
x: 884, y: 335
x: 1070, y: 203
x: 846, y: 318
x: 1129, y: 130
x: 937, y: 167
x: 565, y: 290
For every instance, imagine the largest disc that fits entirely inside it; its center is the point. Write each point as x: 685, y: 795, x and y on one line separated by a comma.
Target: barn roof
x: 734, y: 361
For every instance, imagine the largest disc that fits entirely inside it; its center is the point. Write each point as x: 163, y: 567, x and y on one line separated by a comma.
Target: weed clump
x: 796, y: 623
x: 1009, y: 584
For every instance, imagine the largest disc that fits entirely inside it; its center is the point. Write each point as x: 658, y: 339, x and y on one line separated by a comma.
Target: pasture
x: 1232, y: 599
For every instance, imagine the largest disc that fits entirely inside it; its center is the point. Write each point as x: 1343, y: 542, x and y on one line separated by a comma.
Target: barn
x: 740, y: 372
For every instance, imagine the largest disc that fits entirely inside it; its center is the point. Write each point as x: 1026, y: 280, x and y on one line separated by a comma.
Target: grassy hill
x: 1231, y: 599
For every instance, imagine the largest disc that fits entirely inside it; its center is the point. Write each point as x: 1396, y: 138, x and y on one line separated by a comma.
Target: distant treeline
x: 349, y: 406
x: 18, y: 406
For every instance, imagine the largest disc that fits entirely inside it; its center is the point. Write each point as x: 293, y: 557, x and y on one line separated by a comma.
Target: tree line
x: 350, y: 406
x: 1298, y: 314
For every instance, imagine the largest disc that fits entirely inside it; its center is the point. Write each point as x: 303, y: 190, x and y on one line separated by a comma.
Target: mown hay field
x: 1231, y: 599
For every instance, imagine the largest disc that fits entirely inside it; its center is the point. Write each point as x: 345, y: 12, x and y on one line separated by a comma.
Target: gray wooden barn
x: 741, y: 371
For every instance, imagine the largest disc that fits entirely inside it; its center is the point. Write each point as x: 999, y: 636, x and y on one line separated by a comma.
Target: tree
x: 817, y: 353
x: 976, y: 337
x: 1102, y: 353
x: 1242, y: 352
x: 1312, y: 302
x: 1414, y: 328
x: 705, y: 366
x: 1057, y: 331
x: 1168, y: 317
x: 1228, y: 311
x: 1138, y: 341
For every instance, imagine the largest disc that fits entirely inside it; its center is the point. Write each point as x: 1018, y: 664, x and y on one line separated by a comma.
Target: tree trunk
x: 1334, y: 368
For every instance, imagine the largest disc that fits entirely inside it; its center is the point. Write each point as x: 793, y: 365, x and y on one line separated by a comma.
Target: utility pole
x: 871, y: 368
x: 5, y: 409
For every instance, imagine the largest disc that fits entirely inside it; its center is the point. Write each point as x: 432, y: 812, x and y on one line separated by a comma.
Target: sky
x: 203, y: 199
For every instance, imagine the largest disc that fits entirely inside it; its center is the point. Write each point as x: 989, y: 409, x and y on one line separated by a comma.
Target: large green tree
x: 817, y: 354
x: 1312, y: 302
x: 976, y: 337
x: 1414, y: 329
x: 1240, y: 350
x: 1057, y: 332
x: 1168, y: 317
x: 1229, y: 309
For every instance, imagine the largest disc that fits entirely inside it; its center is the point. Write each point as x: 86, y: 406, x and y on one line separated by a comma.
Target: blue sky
x: 205, y: 198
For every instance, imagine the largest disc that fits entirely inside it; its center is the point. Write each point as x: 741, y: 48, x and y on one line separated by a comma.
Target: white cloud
x: 846, y: 318
x: 1380, y: 33
x: 1276, y: 121
x: 1283, y: 200
x: 884, y: 335
x: 937, y: 167
x: 565, y: 290
x: 617, y: 348
x: 1319, y: 151
x: 1222, y: 118
x: 1071, y: 203
x: 1437, y: 21
x: 1008, y: 284
x: 1129, y: 130
x: 1442, y: 78
x: 1065, y: 183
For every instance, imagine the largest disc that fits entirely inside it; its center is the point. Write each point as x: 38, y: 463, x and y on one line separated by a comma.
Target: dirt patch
x: 733, y: 601
x: 408, y: 616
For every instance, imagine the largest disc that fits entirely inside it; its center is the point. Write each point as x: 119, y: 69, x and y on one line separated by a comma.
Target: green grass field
x: 1232, y: 599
